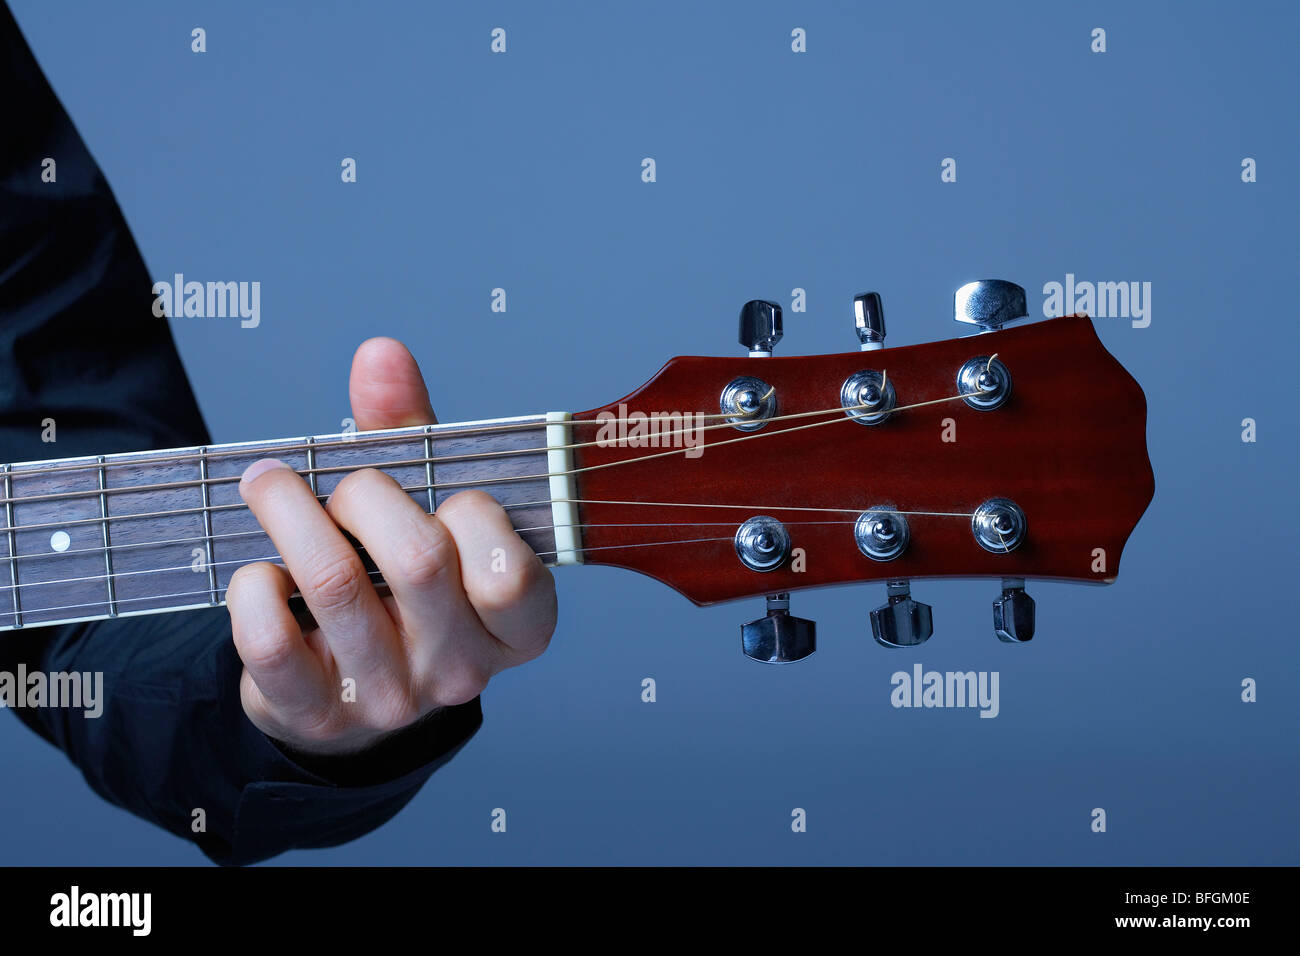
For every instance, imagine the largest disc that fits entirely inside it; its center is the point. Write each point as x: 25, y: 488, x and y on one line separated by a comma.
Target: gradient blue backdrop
x: 775, y: 171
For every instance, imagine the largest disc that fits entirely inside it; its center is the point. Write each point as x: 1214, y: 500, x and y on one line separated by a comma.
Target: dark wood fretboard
x: 88, y: 538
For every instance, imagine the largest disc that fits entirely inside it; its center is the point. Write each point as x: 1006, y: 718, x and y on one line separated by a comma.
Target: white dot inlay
x: 59, y: 541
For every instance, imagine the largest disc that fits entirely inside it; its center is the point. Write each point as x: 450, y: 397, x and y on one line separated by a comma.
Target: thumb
x: 386, y: 387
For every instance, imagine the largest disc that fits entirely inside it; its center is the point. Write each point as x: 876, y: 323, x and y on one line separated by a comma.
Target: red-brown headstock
x: 1068, y: 446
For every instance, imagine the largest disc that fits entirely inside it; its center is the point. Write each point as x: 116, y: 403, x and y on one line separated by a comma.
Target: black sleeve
x: 79, y: 344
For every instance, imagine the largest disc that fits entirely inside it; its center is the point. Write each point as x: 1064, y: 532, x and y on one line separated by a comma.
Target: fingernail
x: 259, y: 467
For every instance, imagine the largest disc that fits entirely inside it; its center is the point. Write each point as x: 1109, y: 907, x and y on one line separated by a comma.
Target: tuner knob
x: 1013, y: 613
x: 778, y: 638
x: 989, y: 303
x: 760, y: 327
x: 902, y: 622
x: 869, y: 318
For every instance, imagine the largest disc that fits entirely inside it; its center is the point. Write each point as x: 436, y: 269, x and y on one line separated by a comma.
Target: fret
x: 57, y: 542
x: 345, y: 452
x: 158, y: 532
x: 209, y: 548
x: 10, y: 548
x: 311, y: 465
x: 241, y: 536
x: 428, y: 466
x: 455, y: 471
x: 108, y: 546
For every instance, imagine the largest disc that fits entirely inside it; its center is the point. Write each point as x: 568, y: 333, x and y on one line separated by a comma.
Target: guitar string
x: 417, y: 434
x: 361, y: 549
x: 259, y: 532
x: 540, y: 503
x: 96, y: 493
x: 424, y: 460
x: 428, y: 460
x: 24, y: 586
x: 347, y: 440
x: 411, y: 433
x: 428, y: 487
x: 369, y: 573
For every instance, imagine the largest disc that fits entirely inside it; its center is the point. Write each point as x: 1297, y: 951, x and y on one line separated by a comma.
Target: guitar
x: 1016, y: 452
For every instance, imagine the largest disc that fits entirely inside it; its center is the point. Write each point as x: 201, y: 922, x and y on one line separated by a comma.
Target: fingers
x: 417, y: 556
x: 386, y: 387
x: 288, y: 677
x: 473, y: 597
x: 329, y: 575
x: 507, y: 584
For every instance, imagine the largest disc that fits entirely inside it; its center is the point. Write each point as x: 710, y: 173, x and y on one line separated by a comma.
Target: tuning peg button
x: 989, y: 303
x: 778, y: 638
x: 1013, y: 613
x: 882, y: 533
x: 869, y: 318
x: 760, y: 327
x: 902, y: 622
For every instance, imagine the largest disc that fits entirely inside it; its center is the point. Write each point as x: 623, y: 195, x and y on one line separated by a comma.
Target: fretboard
x: 147, y: 532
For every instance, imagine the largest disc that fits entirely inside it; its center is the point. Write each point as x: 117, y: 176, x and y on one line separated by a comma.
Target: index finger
x: 329, y: 574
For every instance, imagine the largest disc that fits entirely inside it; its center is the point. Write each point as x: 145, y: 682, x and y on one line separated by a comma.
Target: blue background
x: 776, y: 170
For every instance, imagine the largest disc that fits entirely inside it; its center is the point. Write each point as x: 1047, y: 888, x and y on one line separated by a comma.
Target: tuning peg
x: 902, y: 622
x: 989, y: 303
x: 869, y: 317
x: 760, y: 327
x: 778, y: 638
x: 1013, y: 613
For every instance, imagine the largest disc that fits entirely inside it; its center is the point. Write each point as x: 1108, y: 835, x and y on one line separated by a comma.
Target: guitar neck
x: 150, y: 532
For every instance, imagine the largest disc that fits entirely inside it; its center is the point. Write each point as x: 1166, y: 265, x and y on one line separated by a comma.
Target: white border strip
x: 564, y: 506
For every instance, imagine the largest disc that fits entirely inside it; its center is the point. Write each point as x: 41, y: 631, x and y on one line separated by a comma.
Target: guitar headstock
x: 1017, y: 453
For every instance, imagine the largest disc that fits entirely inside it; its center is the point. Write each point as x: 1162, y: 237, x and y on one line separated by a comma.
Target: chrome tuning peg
x: 1013, y: 613
x: 989, y: 303
x: 760, y: 327
x: 869, y: 319
x: 902, y: 621
x: 778, y: 638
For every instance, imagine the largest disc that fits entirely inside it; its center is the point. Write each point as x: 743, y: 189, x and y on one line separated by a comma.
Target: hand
x: 450, y: 623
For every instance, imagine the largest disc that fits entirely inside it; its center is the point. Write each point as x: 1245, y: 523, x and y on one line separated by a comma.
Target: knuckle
x: 316, y: 725
x: 503, y: 591
x: 336, y: 582
x: 526, y: 647
x: 420, y: 560
x: 265, y: 649
x: 313, y: 723
x: 541, y: 641
x: 391, y: 708
x: 462, y: 685
x: 252, y: 698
